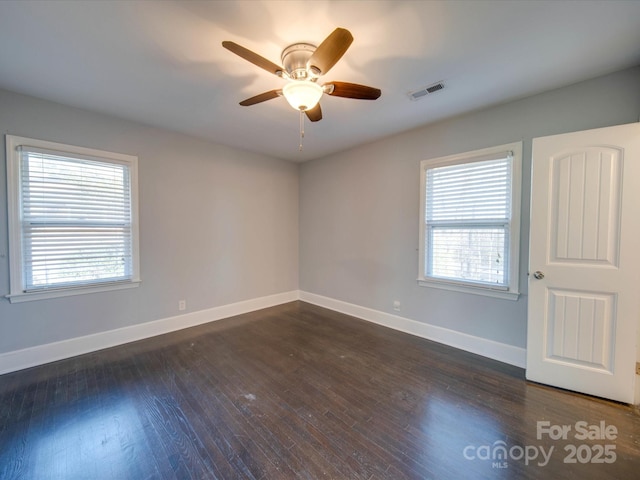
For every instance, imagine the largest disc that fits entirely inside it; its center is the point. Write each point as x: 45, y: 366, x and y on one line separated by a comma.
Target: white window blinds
x: 467, y: 218
x: 76, y: 220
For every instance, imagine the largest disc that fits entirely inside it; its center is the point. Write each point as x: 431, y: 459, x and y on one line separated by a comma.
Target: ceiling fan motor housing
x: 295, y: 58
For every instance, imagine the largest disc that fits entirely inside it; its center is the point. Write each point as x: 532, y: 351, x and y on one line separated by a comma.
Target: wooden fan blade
x: 315, y: 114
x: 330, y: 51
x: 253, y: 58
x: 263, y: 97
x: 353, y: 90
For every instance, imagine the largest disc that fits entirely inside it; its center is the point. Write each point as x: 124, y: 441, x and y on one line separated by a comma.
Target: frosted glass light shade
x: 302, y: 95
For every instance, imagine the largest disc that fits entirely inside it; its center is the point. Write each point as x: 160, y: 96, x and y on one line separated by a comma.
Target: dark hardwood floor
x: 297, y: 391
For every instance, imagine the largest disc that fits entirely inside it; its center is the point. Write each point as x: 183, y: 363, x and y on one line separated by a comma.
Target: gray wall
x: 359, y: 209
x: 217, y: 225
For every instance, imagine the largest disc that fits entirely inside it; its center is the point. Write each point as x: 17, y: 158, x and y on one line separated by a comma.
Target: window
x: 72, y: 219
x: 470, y: 225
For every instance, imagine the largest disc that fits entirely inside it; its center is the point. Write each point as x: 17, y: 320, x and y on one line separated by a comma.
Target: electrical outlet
x: 637, y: 368
x: 182, y: 305
x: 396, y: 305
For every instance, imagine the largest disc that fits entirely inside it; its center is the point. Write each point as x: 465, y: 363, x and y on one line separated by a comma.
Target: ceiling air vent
x: 423, y: 92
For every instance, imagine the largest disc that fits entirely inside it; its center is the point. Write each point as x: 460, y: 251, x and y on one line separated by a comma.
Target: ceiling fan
x: 303, y: 64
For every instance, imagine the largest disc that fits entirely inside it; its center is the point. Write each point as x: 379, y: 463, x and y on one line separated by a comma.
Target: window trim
x: 16, y: 272
x: 511, y: 292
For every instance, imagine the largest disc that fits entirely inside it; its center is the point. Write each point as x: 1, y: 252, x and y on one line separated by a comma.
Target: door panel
x: 590, y: 317
x: 585, y: 206
x: 583, y: 312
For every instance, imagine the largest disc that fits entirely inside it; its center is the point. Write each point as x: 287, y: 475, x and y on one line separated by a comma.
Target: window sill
x: 67, y: 292
x: 469, y: 288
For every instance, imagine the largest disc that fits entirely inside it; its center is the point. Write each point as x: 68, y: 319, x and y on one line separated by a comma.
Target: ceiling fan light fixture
x: 302, y: 95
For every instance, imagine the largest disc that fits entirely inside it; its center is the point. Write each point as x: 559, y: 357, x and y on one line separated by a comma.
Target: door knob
x: 538, y: 275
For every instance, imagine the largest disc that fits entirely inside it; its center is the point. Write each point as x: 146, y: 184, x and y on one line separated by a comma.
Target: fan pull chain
x: 301, y: 129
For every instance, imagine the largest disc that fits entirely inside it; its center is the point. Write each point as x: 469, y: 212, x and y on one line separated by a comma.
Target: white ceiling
x: 162, y: 63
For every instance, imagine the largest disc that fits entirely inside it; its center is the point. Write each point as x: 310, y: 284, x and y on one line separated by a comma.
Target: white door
x: 584, y: 263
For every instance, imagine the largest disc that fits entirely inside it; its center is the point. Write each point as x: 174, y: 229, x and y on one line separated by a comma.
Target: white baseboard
x: 51, y: 352
x: 481, y: 346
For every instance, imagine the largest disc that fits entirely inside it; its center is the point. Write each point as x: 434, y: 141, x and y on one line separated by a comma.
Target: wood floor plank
x: 295, y: 392
x: 242, y: 449
x: 259, y: 404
